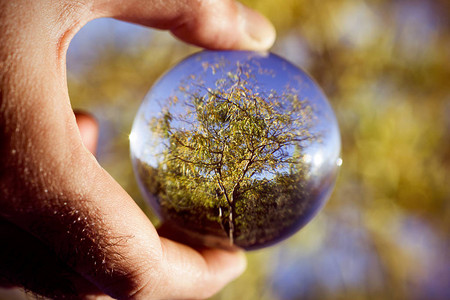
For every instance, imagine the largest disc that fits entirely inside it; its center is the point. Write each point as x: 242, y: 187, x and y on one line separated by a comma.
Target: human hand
x: 68, y: 230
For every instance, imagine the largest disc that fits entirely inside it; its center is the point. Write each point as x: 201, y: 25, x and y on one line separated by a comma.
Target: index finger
x: 216, y: 24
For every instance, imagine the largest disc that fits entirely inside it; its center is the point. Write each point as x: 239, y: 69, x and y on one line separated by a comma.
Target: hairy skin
x: 69, y: 231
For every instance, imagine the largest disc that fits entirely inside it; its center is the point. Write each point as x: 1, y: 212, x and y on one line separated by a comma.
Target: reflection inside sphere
x: 235, y: 148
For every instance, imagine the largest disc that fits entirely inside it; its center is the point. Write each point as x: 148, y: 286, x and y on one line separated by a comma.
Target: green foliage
x: 227, y: 153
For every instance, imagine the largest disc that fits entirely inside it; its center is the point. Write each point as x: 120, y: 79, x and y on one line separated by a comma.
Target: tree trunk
x: 231, y: 225
x: 232, y: 216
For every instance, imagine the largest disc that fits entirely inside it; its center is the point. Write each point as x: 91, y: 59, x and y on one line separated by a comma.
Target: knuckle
x: 208, y: 23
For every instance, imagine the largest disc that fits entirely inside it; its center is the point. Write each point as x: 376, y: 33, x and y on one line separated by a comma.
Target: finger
x: 217, y: 266
x: 214, y: 269
x: 88, y: 127
x: 217, y: 24
x: 199, y: 274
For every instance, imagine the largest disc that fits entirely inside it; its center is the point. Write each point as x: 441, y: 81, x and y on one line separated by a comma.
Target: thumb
x: 88, y: 127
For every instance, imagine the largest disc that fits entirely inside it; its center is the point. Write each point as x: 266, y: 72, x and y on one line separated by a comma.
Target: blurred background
x: 385, y: 67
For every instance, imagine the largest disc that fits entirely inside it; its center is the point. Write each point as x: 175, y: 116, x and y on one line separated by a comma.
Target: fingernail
x: 258, y: 29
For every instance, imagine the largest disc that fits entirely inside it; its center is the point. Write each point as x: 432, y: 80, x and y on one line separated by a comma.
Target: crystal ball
x: 235, y: 149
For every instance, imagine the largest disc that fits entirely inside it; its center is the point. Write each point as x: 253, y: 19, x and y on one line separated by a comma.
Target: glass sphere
x: 235, y: 149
